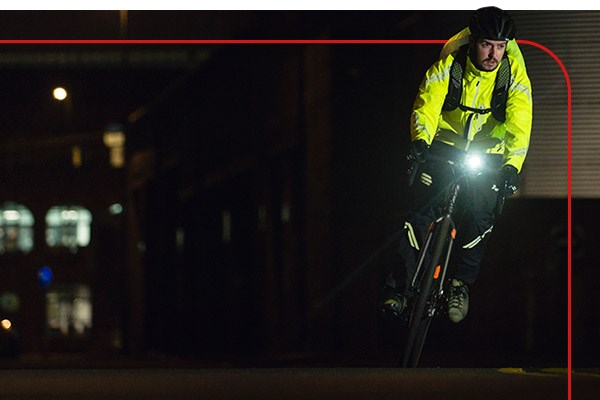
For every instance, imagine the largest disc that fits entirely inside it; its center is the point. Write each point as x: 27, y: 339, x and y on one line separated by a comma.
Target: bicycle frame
x: 427, y: 284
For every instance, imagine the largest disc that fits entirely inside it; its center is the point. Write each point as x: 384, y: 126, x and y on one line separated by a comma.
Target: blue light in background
x: 45, y: 276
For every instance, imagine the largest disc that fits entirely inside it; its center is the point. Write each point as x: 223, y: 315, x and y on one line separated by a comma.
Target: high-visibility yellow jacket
x: 510, y: 138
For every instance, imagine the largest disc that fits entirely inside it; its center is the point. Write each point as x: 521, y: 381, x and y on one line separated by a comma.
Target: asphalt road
x: 297, y: 383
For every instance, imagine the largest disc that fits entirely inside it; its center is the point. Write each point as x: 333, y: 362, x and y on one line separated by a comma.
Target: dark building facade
x: 253, y: 221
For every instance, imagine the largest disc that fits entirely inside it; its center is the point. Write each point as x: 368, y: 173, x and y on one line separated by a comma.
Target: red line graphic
x: 388, y: 42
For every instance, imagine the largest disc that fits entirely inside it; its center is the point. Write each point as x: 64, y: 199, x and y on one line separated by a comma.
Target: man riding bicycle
x: 476, y: 95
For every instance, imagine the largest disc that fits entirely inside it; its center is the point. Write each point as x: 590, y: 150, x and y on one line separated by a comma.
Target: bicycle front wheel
x: 420, y: 318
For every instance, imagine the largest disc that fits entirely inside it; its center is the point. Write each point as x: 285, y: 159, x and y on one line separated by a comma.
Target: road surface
x: 298, y: 383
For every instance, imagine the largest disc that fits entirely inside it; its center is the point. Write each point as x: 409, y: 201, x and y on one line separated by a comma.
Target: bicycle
x: 426, y: 294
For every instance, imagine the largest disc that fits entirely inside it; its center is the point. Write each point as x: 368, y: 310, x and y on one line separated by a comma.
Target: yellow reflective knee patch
x: 410, y: 233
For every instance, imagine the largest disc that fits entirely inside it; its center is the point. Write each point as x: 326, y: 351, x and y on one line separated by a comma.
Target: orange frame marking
x: 436, y: 274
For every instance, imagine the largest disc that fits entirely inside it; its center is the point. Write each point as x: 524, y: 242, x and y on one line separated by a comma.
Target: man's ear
x: 472, y: 42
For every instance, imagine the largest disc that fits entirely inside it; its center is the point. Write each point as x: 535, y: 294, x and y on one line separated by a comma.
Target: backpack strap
x: 500, y: 95
x: 456, y: 76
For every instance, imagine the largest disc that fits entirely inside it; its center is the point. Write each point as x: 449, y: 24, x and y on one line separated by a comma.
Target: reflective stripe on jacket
x: 511, y: 138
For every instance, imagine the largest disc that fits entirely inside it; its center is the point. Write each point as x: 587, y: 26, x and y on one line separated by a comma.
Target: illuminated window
x: 114, y: 139
x: 68, y: 226
x: 16, y: 228
x: 69, y: 311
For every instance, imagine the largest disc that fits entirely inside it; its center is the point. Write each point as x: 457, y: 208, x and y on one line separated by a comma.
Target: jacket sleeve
x: 519, y: 116
x: 429, y: 101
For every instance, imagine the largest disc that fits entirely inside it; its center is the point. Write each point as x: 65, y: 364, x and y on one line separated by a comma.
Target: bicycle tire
x: 419, y: 322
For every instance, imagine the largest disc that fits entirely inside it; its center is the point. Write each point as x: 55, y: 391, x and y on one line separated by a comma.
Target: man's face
x: 488, y: 53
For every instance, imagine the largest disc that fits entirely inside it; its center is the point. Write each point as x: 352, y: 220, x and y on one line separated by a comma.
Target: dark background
x: 302, y: 148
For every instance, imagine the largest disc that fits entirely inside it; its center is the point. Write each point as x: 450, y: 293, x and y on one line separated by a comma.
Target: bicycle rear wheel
x: 420, y: 318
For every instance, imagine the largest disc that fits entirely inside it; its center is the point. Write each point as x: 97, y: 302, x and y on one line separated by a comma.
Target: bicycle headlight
x: 474, y: 162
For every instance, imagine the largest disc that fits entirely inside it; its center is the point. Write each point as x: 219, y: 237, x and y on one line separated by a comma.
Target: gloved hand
x: 419, y: 149
x: 509, y: 179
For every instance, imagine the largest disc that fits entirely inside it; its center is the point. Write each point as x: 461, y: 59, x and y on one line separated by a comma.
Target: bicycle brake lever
x: 501, y: 198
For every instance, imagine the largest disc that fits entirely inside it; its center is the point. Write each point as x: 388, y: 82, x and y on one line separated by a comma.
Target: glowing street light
x: 59, y: 93
x: 6, y: 324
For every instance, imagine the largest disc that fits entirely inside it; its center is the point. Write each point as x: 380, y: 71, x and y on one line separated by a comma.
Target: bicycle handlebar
x: 414, y: 168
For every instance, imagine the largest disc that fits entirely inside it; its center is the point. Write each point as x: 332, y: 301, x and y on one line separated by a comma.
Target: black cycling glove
x: 509, y: 180
x: 419, y: 149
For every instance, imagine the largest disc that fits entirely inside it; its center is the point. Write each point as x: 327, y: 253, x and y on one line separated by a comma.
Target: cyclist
x: 498, y: 126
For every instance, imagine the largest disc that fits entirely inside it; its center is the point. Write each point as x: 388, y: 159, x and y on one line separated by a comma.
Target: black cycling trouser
x: 474, y: 218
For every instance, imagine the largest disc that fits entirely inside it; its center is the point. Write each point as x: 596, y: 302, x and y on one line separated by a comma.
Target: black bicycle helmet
x: 492, y: 23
